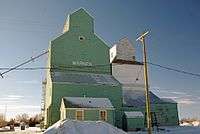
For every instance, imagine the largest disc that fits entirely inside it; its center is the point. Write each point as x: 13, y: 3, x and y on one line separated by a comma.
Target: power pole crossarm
x: 141, y: 38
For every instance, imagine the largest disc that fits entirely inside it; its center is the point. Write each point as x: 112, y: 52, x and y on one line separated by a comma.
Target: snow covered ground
x: 174, y: 130
x: 90, y: 129
x: 99, y: 127
x: 30, y: 130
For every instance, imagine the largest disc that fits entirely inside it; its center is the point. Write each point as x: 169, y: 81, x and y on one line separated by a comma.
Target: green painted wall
x: 71, y: 114
x: 68, y: 52
x: 111, y: 117
x: 166, y: 113
x: 91, y: 114
x: 135, y: 123
x: 78, y: 90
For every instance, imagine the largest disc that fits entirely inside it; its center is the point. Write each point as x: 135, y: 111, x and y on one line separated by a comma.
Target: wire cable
x: 17, y: 66
x: 74, y: 68
x: 176, y: 70
x: 138, y: 74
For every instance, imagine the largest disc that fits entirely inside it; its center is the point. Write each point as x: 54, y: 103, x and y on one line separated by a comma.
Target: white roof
x: 122, y: 50
x: 134, y: 114
x: 87, y: 102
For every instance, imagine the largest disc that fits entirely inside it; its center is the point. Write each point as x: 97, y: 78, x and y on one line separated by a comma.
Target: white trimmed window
x: 103, y: 115
x: 79, y: 115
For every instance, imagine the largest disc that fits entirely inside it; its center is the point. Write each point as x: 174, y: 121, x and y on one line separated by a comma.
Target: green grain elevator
x: 80, y: 67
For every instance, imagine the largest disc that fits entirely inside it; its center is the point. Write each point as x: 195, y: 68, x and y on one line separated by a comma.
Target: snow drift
x: 83, y: 127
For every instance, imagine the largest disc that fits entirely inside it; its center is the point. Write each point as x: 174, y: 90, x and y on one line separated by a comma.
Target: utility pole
x: 148, y: 109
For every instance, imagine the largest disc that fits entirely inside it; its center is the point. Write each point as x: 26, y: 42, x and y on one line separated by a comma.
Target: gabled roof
x: 86, y: 102
x: 82, y: 11
x: 136, y: 98
x: 122, y: 51
x: 168, y: 100
x: 83, y: 78
x: 80, y: 18
x: 134, y: 114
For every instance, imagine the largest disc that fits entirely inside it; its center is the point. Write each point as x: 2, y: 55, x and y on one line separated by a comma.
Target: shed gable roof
x: 134, y: 114
x: 86, y: 102
x: 122, y: 51
x: 136, y: 98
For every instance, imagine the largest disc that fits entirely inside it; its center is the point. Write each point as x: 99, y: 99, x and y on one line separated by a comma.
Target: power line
x: 17, y: 66
x: 73, y: 68
x: 176, y: 70
x: 67, y: 67
x: 158, y: 65
x: 27, y: 68
x: 138, y: 74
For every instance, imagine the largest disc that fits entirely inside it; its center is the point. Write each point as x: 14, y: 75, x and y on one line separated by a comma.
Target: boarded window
x: 79, y: 114
x: 103, y: 115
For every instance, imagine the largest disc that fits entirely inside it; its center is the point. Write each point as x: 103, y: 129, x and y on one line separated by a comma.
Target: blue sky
x: 27, y: 26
